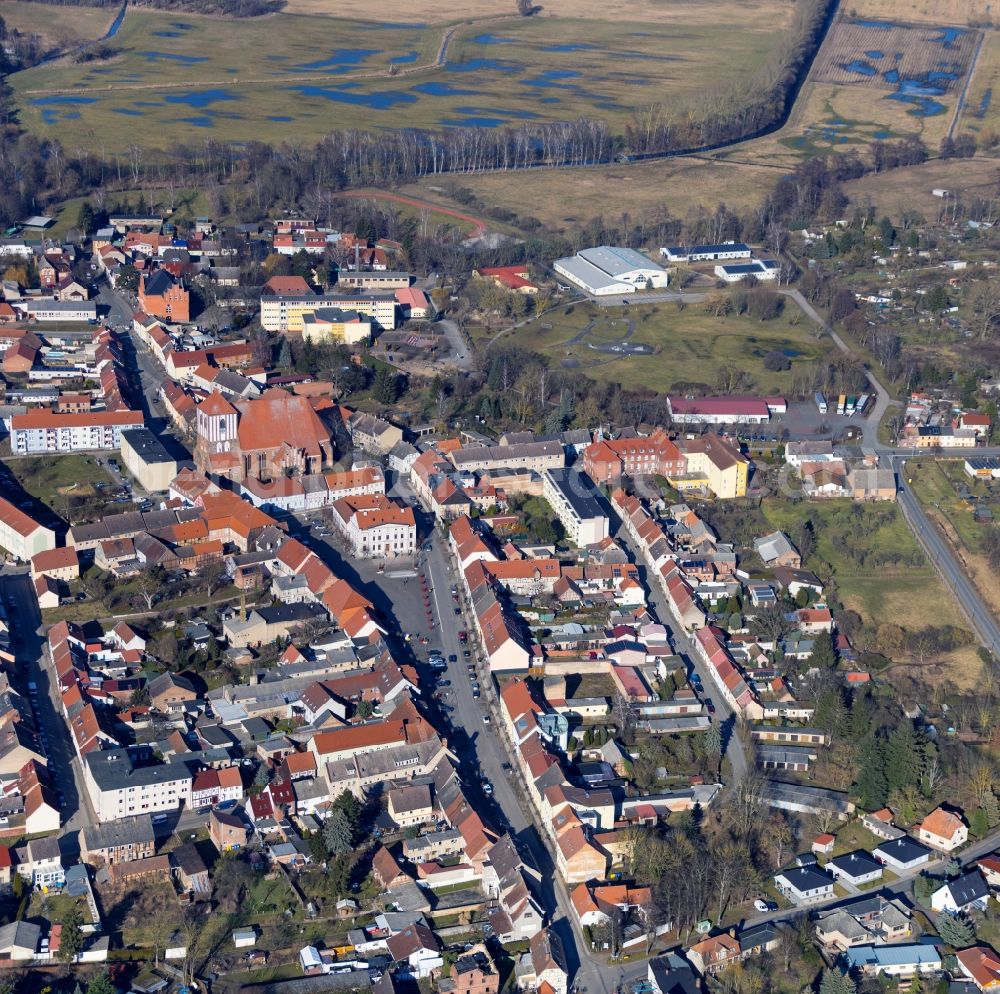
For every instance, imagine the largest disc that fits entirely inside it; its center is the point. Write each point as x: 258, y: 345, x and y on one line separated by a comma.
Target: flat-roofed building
x: 706, y: 253
x: 285, y: 313
x: 574, y: 498
x: 147, y: 459
x: 119, y: 786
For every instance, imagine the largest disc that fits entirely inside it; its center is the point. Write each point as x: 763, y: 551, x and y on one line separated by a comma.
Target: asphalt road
x: 137, y: 356
x: 484, y: 751
x: 953, y: 572
x: 35, y: 667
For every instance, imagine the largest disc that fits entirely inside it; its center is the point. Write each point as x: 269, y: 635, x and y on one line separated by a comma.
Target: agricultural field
x: 187, y: 78
x: 656, y: 347
x: 682, y: 186
x: 981, y: 112
x: 960, y: 12
x: 420, y: 12
x: 67, y: 26
x: 878, y: 81
x: 910, y: 188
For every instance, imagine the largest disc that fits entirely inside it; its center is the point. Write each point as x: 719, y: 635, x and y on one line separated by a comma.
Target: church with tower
x: 274, y: 436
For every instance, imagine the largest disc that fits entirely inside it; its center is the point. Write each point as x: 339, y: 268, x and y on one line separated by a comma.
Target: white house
x: 903, y: 853
x: 968, y: 892
x: 893, y: 961
x: 804, y: 884
x: 943, y: 829
x: 855, y: 868
x: 418, y: 947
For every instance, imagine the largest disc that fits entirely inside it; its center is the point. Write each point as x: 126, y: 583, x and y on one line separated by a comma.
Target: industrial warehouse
x: 610, y: 270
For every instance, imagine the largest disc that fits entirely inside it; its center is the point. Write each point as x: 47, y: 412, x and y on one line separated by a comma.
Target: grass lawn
x: 56, y: 906
x: 851, y: 837
x: 910, y: 594
x: 897, y: 190
x: 682, y: 186
x: 956, y: 12
x: 184, y: 75
x: 935, y: 483
x: 45, y: 476
x: 690, y: 345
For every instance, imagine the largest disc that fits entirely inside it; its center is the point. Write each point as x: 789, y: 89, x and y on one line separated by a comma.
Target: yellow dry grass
x: 953, y: 12
x: 634, y: 12
x: 913, y: 602
x: 981, y: 113
x: 561, y: 198
x: 910, y: 189
x: 60, y: 25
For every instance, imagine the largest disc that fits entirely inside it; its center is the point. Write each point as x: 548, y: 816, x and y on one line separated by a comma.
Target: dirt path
x: 479, y: 226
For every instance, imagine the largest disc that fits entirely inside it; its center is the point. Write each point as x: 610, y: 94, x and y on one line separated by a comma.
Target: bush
x: 777, y: 362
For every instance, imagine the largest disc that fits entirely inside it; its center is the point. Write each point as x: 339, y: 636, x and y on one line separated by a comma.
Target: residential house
x: 227, y: 831
x: 867, y: 921
x: 170, y: 690
x: 714, y: 953
x: 39, y: 863
x: 968, y: 892
x: 900, y: 961
x: 804, y: 884
x: 118, y: 841
x: 418, y: 947
x: 548, y: 972
x: 855, y: 868
x: 943, y: 830
x: 902, y: 853
x: 776, y: 549
x: 981, y: 965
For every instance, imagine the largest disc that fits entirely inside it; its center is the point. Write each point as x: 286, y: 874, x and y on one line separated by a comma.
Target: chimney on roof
x: 357, y: 257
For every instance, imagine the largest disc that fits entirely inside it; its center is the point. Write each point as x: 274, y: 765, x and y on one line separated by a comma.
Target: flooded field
x: 915, y: 65
x: 293, y: 77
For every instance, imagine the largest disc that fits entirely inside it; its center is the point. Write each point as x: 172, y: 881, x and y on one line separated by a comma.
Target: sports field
x: 295, y: 77
x: 683, y: 346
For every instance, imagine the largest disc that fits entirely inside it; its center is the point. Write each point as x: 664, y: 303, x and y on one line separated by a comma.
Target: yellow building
x: 719, y: 463
x: 286, y: 313
x: 331, y: 324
